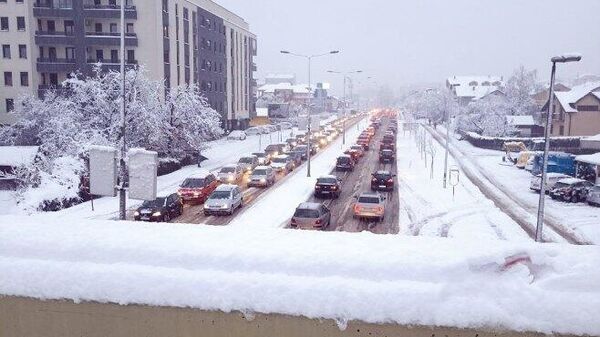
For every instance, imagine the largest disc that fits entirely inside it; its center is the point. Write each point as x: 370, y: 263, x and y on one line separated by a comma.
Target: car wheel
x: 381, y: 219
x: 166, y: 218
x: 574, y: 199
x: 230, y: 212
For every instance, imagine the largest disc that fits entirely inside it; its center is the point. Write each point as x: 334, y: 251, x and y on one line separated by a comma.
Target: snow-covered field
x: 426, y: 208
x: 343, y: 276
x: 581, y: 219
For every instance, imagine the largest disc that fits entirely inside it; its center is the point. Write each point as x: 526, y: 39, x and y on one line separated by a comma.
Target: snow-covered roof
x: 520, y: 120
x: 475, y: 92
x: 568, y: 99
x: 295, y: 88
x: 596, y: 137
x: 466, y: 80
x: 17, y: 155
x: 593, y: 159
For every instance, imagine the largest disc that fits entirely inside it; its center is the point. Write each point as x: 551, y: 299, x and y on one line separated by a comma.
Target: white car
x: 593, y: 197
x: 255, y: 130
x: 236, y: 135
x: 551, y: 179
x: 285, y: 125
x: 230, y: 174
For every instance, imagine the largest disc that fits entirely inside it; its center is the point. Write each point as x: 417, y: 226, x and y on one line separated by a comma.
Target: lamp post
x: 346, y: 75
x: 540, y: 215
x: 309, y: 58
x: 122, y: 171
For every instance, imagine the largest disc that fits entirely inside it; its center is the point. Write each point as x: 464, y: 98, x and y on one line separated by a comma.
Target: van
x: 559, y: 162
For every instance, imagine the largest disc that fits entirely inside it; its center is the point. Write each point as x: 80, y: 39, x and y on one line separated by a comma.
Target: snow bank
x: 344, y: 276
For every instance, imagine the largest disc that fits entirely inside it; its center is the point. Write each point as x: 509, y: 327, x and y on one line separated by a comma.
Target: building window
x: 53, y: 79
x: 24, y: 79
x: 70, y: 53
x: 22, y: 51
x: 114, y: 56
x: 587, y: 108
x: 52, y: 53
x: 98, y: 28
x: 21, y: 23
x: 561, y: 130
x: 113, y: 28
x: 4, y: 23
x: 131, y: 56
x: 99, y: 55
x: 10, y: 105
x: 8, y: 78
x: 5, y: 51
x: 51, y: 26
x: 129, y: 28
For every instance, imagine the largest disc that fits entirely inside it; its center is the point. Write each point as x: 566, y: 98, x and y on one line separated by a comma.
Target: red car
x: 365, y: 142
x: 197, y: 188
x: 355, y: 154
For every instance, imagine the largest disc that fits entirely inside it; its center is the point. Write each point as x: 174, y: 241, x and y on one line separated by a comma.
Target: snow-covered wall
x: 343, y: 276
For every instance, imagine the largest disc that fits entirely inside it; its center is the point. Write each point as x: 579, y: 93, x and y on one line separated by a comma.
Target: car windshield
x: 356, y: 147
x: 280, y: 160
x: 220, y: 195
x: 561, y: 185
x: 259, y: 155
x: 382, y: 175
x: 158, y: 202
x: 193, y: 183
x: 228, y: 170
x: 368, y: 200
x: 259, y: 173
x: 246, y: 160
x: 343, y: 160
x: 326, y: 181
x: 306, y: 213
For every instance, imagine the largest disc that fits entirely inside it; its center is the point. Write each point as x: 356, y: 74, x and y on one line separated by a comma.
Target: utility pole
x: 122, y: 171
x: 346, y: 77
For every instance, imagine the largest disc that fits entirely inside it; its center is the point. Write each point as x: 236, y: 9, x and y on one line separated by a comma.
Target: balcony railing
x: 103, y: 11
x: 56, y: 8
x: 110, y: 61
x: 56, y: 4
x: 110, y: 39
x: 53, y: 33
x: 55, y: 60
x: 116, y: 34
x: 109, y: 6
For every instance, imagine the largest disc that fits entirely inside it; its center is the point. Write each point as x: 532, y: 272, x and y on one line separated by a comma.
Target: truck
x: 558, y: 162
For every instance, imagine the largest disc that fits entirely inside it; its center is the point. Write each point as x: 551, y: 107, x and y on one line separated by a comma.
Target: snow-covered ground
x: 580, y: 219
x: 275, y: 208
x: 342, y: 276
x: 426, y: 208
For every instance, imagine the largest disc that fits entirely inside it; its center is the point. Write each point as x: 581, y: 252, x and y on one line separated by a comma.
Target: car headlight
x: 196, y: 194
x: 224, y: 206
x: 156, y: 214
x: 136, y: 213
x: 230, y: 178
x: 263, y: 180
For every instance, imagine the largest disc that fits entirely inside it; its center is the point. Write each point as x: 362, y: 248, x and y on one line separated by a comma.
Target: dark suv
x: 382, y: 181
x: 344, y: 163
x: 328, y: 186
x: 386, y: 156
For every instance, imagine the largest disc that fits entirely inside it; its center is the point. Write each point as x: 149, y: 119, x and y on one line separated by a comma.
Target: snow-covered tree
x: 486, y: 117
x: 519, y: 88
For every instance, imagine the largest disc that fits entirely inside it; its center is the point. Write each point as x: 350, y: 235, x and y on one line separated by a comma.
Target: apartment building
x: 178, y: 41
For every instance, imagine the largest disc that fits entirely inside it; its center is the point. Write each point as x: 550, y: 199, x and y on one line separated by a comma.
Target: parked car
x: 344, y: 163
x: 382, y: 181
x: 224, y: 200
x: 252, y: 131
x: 248, y: 163
x: 161, y: 209
x: 369, y: 206
x: 236, y: 135
x: 262, y: 176
x: 263, y: 158
x: 593, y: 197
x: 276, y: 149
x: 196, y: 188
x: 310, y: 215
x: 551, y: 179
x: 328, y: 186
x: 571, y: 190
x: 282, y: 163
x: 302, y: 150
x: 386, y: 156
x: 230, y: 174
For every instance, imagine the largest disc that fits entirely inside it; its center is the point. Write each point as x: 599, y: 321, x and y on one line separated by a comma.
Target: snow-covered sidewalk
x: 581, y: 220
x: 429, y: 209
x: 342, y: 276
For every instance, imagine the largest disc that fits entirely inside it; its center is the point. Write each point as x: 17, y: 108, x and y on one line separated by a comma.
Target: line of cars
x: 221, y: 193
x: 368, y: 205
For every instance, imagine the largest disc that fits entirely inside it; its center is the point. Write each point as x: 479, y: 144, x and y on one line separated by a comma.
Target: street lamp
x: 540, y: 216
x: 309, y: 58
x: 346, y: 75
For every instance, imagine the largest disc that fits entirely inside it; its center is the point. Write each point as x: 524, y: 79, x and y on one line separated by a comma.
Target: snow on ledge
x: 547, y: 288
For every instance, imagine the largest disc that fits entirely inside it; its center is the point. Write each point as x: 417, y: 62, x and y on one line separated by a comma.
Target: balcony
x: 53, y: 65
x: 114, y: 65
x: 110, y: 39
x: 91, y: 10
x: 54, y: 38
x: 57, y: 88
x: 55, y: 9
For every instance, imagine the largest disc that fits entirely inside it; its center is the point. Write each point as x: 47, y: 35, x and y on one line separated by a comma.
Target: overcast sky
x: 399, y: 42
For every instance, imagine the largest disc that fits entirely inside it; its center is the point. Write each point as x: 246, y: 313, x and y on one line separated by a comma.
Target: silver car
x: 248, y: 163
x: 370, y: 206
x: 224, y: 200
x: 262, y: 176
x: 593, y: 197
x: 551, y: 179
x: 282, y: 163
x: 310, y: 215
x: 230, y: 174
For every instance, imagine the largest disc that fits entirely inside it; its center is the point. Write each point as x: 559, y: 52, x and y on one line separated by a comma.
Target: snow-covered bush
x: 486, y: 117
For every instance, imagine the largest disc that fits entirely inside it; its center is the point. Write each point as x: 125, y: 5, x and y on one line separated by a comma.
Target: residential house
x: 525, y: 126
x: 468, y: 89
x: 576, y: 112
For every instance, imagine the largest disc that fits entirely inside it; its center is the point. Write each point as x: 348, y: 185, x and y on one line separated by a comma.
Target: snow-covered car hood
x: 278, y: 165
x: 226, y: 176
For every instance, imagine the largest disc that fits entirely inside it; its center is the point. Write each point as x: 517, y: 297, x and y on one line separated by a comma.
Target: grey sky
x: 403, y: 42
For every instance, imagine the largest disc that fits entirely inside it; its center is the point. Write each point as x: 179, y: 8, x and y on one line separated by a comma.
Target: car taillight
x: 379, y: 209
x: 318, y: 222
x: 390, y: 180
x: 357, y: 208
x: 374, y: 179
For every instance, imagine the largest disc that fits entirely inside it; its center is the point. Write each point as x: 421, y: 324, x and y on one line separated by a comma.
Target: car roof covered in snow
x: 17, y: 155
x: 570, y: 181
x: 593, y: 159
x: 309, y: 205
x: 225, y: 187
x: 327, y: 176
x: 261, y: 168
x: 383, y: 172
x: 230, y: 166
x: 555, y: 175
